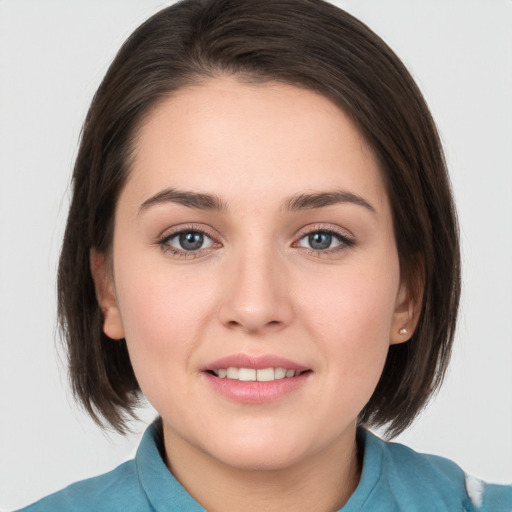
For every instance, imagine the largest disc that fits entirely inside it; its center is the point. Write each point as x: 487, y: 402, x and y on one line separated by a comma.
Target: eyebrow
x: 323, y: 199
x: 185, y: 198
x: 212, y: 202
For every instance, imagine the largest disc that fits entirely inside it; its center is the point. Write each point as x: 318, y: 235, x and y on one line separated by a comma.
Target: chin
x: 256, y: 460
x: 262, y: 453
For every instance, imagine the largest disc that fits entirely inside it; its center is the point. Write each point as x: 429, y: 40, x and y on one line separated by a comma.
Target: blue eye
x: 188, y: 241
x: 191, y: 241
x: 324, y: 240
x: 320, y: 241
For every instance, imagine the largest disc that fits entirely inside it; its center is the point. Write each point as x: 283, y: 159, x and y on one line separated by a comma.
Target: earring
x: 403, y: 331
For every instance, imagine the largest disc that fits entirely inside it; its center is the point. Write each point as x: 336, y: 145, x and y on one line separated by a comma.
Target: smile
x: 255, y: 379
x: 253, y: 375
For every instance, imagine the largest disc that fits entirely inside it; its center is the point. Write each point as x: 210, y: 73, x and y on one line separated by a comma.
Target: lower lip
x: 254, y: 392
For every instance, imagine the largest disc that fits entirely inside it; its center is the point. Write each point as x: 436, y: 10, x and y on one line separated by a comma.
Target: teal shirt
x: 394, y: 479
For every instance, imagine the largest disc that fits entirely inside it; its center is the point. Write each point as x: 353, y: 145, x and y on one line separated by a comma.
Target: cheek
x: 350, y: 314
x: 162, y: 316
x: 352, y: 304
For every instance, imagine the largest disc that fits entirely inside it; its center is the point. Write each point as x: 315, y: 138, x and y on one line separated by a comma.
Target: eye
x: 324, y: 240
x: 186, y: 241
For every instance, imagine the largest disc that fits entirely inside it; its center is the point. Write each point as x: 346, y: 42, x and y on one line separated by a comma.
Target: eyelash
x: 164, y: 242
x: 345, y: 242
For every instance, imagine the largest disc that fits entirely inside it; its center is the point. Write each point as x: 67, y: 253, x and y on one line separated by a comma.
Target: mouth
x: 256, y: 375
x: 256, y: 379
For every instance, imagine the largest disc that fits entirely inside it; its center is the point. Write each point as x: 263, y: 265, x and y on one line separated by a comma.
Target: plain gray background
x: 53, y: 54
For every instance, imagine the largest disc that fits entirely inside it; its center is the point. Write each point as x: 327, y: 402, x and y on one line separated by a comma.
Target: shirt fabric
x: 394, y: 479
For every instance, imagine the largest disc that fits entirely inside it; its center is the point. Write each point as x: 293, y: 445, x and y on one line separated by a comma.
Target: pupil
x: 320, y: 240
x: 191, y: 241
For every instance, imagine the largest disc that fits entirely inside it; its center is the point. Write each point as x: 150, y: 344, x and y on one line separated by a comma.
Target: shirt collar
x: 163, y: 491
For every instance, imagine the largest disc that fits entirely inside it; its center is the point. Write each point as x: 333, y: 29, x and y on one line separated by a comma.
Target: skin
x: 255, y: 287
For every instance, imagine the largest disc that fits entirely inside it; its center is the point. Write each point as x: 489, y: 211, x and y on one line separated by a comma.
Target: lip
x: 256, y: 362
x: 255, y: 392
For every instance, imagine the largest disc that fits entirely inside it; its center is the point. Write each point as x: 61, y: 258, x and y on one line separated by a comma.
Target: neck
x: 324, y: 482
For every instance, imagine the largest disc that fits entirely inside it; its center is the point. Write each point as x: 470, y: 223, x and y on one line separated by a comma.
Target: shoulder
x: 113, y: 491
x: 438, y: 482
x: 141, y: 485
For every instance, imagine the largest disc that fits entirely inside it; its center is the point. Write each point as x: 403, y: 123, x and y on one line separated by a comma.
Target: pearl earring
x: 403, y: 331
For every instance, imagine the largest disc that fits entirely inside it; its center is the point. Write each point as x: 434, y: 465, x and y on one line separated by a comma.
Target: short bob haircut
x: 305, y: 43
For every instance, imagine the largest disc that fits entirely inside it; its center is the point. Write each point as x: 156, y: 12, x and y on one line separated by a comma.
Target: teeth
x: 280, y: 373
x: 265, y: 375
x: 251, y: 375
x: 232, y: 373
x: 246, y: 374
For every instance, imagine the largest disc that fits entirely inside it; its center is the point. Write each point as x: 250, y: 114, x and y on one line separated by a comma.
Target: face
x: 255, y: 273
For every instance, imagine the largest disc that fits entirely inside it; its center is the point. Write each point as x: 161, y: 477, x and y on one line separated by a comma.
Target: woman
x: 260, y: 190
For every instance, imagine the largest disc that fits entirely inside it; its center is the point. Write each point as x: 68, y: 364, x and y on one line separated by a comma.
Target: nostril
x: 252, y: 316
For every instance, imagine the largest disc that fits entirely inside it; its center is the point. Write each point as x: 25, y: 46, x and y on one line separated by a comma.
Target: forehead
x: 228, y: 138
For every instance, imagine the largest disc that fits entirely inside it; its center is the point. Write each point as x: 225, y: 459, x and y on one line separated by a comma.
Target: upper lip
x: 257, y: 362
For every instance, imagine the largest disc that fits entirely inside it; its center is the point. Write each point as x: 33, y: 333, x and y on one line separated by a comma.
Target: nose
x: 256, y: 296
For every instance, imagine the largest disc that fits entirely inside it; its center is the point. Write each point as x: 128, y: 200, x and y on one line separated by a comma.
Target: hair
x: 309, y: 44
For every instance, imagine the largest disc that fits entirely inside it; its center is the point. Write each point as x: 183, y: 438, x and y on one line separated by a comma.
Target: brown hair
x: 310, y: 44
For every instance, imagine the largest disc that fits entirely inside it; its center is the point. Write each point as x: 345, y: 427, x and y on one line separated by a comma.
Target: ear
x: 407, y: 312
x: 105, y: 294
